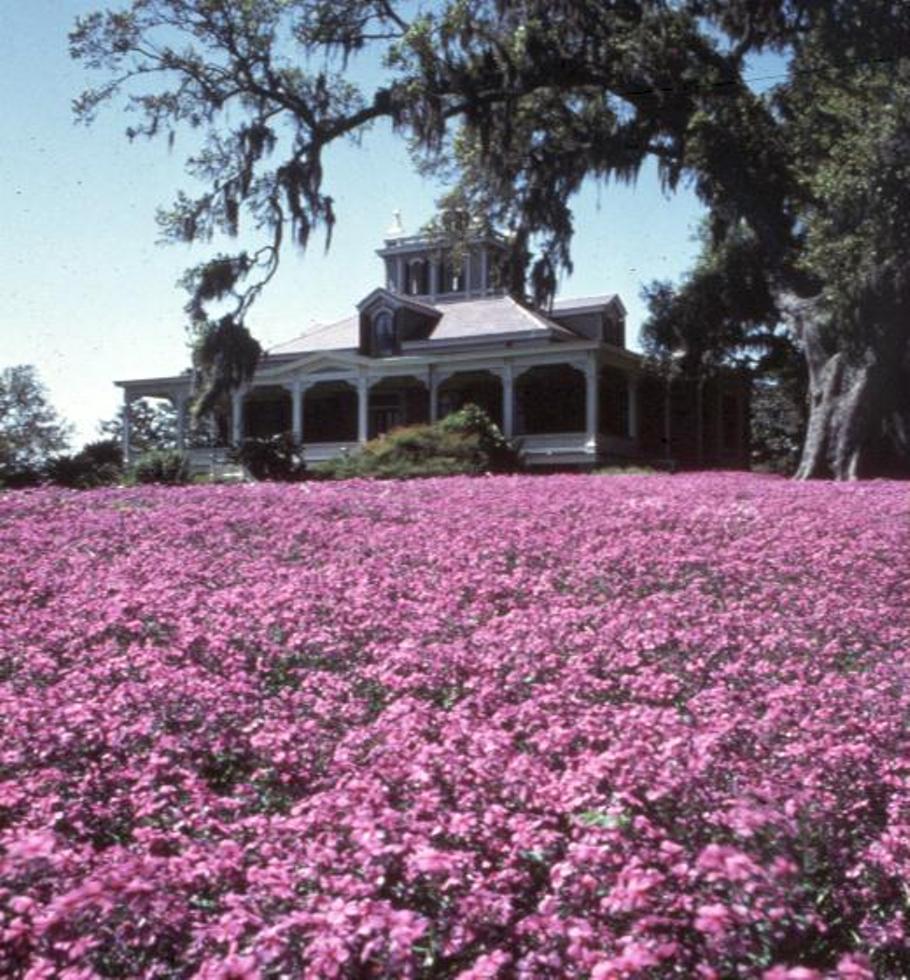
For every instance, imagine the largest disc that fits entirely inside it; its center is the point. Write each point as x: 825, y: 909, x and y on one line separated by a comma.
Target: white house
x: 438, y: 335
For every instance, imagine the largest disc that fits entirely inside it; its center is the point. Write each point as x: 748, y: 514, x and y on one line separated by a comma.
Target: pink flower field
x: 558, y: 726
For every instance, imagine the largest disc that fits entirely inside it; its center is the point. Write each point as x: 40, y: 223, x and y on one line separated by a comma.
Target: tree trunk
x: 859, y: 406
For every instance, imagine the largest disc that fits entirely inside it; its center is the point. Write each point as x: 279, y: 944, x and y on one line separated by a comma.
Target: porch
x: 576, y: 412
x: 583, y: 407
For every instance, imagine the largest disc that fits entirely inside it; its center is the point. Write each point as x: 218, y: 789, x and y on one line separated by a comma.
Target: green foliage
x: 153, y: 425
x: 31, y: 432
x: 472, y: 422
x: 778, y: 427
x: 722, y: 314
x: 97, y: 464
x: 161, y: 466
x: 466, y: 442
x: 275, y: 458
x: 523, y: 102
x: 225, y: 354
x: 852, y: 134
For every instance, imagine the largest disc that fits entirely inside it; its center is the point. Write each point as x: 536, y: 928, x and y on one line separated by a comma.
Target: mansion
x: 440, y: 334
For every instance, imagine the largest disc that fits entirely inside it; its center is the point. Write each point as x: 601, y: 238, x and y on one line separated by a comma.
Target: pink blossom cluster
x: 522, y: 727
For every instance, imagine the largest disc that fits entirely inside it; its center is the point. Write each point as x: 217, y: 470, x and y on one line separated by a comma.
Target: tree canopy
x: 153, y: 425
x: 520, y: 102
x: 31, y: 432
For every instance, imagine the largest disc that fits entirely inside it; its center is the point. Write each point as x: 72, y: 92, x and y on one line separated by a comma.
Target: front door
x: 386, y: 412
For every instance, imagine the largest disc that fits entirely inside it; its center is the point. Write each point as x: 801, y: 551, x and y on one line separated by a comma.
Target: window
x: 418, y: 276
x: 384, y: 339
x: 451, y: 278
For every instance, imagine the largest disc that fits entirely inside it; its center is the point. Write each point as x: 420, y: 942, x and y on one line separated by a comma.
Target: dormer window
x: 385, y: 340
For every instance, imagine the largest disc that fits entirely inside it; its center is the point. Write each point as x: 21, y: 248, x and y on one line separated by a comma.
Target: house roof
x: 339, y: 335
x: 490, y: 315
x: 462, y: 319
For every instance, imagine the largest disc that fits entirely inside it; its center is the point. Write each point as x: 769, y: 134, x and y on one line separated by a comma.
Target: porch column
x: 127, y: 426
x: 591, y: 398
x: 484, y: 273
x: 237, y: 417
x: 434, y: 277
x: 402, y: 286
x: 719, y: 420
x: 467, y: 273
x: 699, y: 420
x: 508, y: 401
x: 433, y: 385
x: 632, y: 383
x: 363, y: 402
x: 742, y: 430
x: 180, y: 402
x: 297, y: 411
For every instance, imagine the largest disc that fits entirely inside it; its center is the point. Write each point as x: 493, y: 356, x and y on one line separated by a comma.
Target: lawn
x: 563, y: 726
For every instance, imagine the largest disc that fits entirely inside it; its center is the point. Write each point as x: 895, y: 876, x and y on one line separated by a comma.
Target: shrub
x: 161, y: 466
x: 97, y: 464
x: 500, y: 455
x: 19, y: 477
x: 273, y: 458
x: 466, y: 442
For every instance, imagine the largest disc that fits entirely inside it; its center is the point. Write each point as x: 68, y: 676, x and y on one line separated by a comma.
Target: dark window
x: 451, y: 277
x: 384, y: 339
x: 385, y: 412
x: 418, y: 278
x: 613, y: 330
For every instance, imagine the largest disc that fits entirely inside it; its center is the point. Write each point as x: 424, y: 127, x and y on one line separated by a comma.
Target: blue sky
x: 86, y: 294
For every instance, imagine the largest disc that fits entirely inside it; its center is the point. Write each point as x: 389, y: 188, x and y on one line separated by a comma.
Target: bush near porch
x: 275, y: 457
x: 464, y: 443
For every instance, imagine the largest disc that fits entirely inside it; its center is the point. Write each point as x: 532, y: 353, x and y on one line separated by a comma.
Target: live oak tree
x: 843, y: 286
x: 851, y: 138
x: 521, y: 102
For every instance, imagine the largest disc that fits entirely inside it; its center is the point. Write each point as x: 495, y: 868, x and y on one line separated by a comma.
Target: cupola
x: 425, y: 266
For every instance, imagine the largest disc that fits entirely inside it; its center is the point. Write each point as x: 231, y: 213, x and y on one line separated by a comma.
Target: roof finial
x: 396, y: 229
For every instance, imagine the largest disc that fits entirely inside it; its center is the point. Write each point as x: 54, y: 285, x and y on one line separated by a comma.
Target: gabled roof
x: 311, y: 361
x: 395, y: 300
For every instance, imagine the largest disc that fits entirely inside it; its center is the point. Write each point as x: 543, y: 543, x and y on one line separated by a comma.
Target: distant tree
x: 31, y: 432
x: 97, y: 464
x: 153, y: 425
x: 724, y: 314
